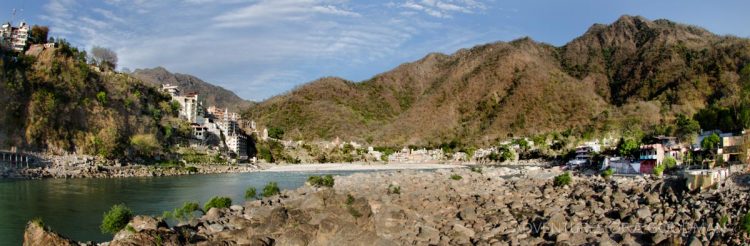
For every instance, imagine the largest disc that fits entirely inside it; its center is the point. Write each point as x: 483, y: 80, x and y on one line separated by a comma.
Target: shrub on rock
x: 217, y: 202
x: 250, y: 193
x: 563, y: 179
x: 271, y: 189
x: 321, y: 181
x: 116, y: 219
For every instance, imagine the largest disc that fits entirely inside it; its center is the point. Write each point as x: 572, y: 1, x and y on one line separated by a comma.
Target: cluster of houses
x: 729, y: 150
x: 14, y: 37
x: 407, y: 155
x: 211, y: 126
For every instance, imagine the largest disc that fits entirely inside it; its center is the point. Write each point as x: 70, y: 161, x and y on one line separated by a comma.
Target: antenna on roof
x: 14, y: 13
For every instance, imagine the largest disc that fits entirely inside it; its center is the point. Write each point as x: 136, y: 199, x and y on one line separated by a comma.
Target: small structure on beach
x: 705, y: 178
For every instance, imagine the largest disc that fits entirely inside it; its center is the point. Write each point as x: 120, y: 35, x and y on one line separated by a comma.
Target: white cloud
x: 258, y: 48
x: 266, y: 11
x: 443, y: 8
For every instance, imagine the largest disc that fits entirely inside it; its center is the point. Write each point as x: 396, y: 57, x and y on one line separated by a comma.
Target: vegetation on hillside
x: 57, y: 102
x: 634, y: 78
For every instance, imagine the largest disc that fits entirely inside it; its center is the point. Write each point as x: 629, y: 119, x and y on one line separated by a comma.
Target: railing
x: 20, y: 160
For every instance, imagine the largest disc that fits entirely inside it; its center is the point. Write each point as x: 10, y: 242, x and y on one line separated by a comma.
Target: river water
x: 74, y: 207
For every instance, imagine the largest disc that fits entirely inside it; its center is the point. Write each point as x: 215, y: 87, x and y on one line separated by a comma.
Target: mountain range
x: 631, y: 75
x: 213, y: 95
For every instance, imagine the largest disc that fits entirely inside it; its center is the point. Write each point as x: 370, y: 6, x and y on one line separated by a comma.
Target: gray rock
x: 428, y: 234
x: 462, y: 230
x: 140, y: 223
x: 236, y: 208
x: 213, y: 214
x: 643, y: 213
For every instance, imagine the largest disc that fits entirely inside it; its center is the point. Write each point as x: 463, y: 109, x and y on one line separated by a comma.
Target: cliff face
x: 634, y: 70
x: 214, y: 95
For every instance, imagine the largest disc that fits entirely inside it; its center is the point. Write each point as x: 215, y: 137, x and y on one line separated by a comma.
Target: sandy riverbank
x: 352, y: 167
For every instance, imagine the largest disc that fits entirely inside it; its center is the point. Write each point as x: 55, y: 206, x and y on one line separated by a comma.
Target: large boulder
x: 140, y: 223
x: 37, y: 234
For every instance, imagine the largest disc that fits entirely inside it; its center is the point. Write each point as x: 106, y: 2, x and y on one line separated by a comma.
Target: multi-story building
x: 14, y: 38
x: 191, y: 107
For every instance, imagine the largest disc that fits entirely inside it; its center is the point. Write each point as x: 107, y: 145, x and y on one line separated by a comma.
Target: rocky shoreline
x: 99, y: 171
x: 498, y: 206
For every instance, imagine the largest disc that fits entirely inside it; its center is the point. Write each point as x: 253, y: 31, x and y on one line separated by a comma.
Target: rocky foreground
x: 432, y: 208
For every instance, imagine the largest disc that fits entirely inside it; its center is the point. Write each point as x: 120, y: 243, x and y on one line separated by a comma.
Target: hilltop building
x: 191, y: 107
x: 14, y: 38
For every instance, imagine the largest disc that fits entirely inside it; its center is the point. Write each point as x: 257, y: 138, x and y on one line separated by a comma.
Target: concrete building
x: 651, y: 155
x: 730, y: 148
x: 191, y: 107
x: 14, y: 38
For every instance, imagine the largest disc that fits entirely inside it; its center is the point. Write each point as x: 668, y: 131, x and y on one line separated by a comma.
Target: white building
x: 191, y: 108
x: 15, y: 38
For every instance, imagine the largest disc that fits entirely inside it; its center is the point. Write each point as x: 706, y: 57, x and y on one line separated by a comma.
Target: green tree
x: 686, y: 128
x: 145, y: 144
x: 104, y: 57
x: 711, y: 143
x: 39, y: 34
x: 628, y: 147
x: 276, y: 133
x: 669, y: 162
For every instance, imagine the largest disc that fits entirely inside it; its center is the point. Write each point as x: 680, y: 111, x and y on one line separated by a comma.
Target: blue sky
x: 261, y: 48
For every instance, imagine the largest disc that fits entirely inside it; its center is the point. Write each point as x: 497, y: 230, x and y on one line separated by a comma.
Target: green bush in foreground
x: 116, y: 219
x: 669, y: 162
x: 563, y: 179
x: 250, y: 193
x: 217, y: 202
x: 608, y: 173
x: 271, y: 189
x: 321, y: 181
x: 659, y: 169
x: 746, y: 223
x: 183, y: 213
x: 456, y: 177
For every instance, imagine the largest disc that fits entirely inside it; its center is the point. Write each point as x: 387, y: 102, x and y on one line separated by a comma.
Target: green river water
x: 74, y: 207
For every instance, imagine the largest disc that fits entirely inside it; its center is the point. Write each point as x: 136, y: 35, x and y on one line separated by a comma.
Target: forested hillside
x: 57, y: 102
x: 631, y: 78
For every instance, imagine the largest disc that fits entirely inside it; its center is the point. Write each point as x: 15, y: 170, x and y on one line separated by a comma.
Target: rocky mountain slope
x: 214, y: 95
x: 633, y: 74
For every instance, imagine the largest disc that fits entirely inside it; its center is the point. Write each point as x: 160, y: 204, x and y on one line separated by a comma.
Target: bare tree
x: 103, y: 57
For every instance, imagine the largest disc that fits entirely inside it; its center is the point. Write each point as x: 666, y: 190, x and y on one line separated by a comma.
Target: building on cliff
x: 14, y: 38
